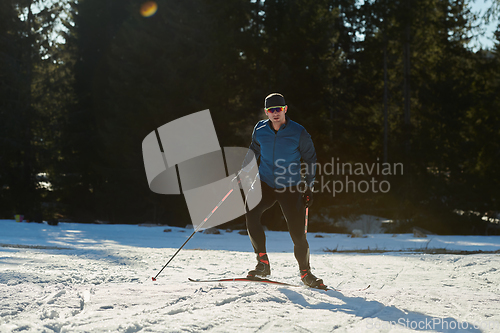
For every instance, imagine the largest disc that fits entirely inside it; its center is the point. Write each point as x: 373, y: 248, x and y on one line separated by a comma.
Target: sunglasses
x: 274, y: 109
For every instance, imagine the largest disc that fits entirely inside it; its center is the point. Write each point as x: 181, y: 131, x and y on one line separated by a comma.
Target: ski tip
x: 153, y: 278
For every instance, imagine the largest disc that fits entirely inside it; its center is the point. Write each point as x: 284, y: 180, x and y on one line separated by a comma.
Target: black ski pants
x: 292, y: 207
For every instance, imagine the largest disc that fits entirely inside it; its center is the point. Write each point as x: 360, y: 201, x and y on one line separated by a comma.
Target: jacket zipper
x: 274, y: 149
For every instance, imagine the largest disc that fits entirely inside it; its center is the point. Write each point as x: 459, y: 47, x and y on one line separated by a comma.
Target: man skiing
x: 280, y: 143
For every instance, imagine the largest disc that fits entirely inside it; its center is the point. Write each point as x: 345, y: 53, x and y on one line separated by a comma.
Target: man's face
x: 277, y: 117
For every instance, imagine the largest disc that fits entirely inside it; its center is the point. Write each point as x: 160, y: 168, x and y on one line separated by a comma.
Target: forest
x: 376, y: 82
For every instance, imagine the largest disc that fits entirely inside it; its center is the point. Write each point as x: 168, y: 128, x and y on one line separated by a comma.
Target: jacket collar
x: 287, y: 121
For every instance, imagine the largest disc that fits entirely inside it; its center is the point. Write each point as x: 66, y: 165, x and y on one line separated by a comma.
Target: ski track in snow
x: 99, y: 282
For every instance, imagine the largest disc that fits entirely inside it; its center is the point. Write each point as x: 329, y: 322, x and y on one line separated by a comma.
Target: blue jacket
x: 280, y: 153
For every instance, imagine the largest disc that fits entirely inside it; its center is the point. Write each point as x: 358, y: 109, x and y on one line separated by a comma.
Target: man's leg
x: 293, y: 210
x: 253, y: 217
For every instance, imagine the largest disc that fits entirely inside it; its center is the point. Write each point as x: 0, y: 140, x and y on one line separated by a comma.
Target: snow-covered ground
x: 97, y: 278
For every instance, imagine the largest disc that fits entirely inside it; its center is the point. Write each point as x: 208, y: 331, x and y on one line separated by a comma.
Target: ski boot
x: 310, y: 280
x: 263, y: 268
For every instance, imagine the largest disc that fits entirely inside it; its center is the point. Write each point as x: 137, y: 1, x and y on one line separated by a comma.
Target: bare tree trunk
x: 386, y: 121
x: 27, y: 177
x: 407, y: 129
x: 407, y: 67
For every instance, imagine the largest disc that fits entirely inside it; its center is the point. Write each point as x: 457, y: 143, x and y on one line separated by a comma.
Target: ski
x: 245, y: 279
x: 261, y: 280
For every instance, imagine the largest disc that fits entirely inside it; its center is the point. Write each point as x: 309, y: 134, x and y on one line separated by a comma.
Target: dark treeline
x: 382, y: 82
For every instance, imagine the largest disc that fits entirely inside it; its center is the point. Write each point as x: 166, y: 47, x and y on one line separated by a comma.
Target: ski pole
x: 194, y: 232
x: 307, y: 217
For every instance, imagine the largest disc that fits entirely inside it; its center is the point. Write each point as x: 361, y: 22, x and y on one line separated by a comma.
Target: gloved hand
x: 307, y: 197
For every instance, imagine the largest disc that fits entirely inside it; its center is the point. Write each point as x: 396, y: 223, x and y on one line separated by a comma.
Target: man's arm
x: 253, y: 150
x: 308, y: 154
x: 247, y: 173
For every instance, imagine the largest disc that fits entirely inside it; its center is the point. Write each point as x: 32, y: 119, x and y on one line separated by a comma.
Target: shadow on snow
x: 390, y: 316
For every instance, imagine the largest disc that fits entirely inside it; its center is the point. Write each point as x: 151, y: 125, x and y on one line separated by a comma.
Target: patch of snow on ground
x: 97, y: 278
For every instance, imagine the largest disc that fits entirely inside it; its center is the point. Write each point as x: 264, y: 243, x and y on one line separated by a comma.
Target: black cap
x: 274, y: 99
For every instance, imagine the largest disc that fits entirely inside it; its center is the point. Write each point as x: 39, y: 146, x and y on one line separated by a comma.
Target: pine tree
x: 92, y: 25
x: 27, y: 108
x: 185, y: 58
x: 11, y: 78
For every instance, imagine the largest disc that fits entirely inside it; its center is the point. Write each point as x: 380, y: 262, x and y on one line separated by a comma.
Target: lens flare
x: 149, y: 8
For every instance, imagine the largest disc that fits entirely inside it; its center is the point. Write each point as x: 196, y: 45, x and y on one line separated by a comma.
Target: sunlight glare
x: 149, y: 8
